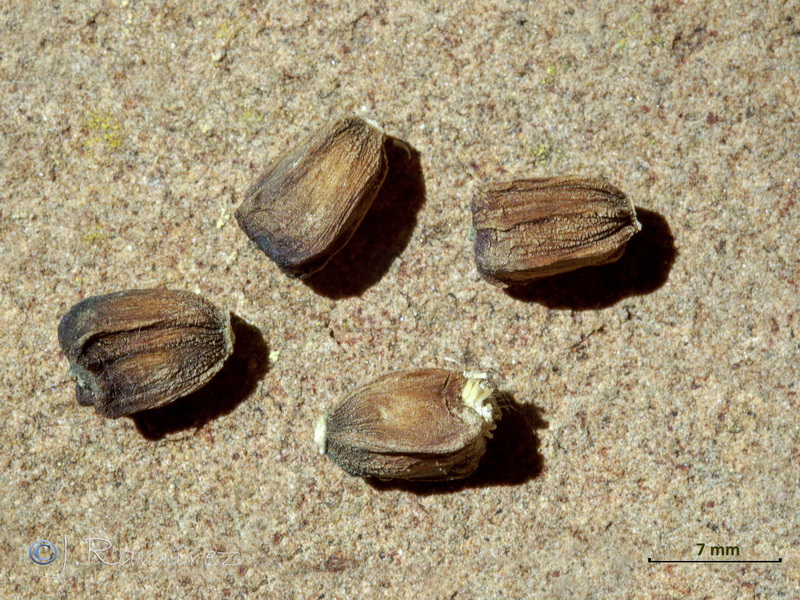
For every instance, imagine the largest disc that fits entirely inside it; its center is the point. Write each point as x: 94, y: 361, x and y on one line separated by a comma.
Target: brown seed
x: 428, y: 424
x: 534, y: 228
x: 307, y: 206
x: 139, y: 349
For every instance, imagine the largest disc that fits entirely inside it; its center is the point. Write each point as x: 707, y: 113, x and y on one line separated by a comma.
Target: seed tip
x: 475, y: 394
x: 373, y: 123
x: 321, y: 433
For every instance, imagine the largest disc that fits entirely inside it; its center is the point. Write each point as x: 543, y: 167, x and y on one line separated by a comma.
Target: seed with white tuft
x: 426, y: 424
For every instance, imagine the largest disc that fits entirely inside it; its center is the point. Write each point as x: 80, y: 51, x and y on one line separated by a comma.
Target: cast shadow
x: 227, y: 389
x: 642, y: 269
x: 512, y: 455
x: 383, y: 234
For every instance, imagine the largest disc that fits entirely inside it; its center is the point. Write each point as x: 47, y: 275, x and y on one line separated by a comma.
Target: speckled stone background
x: 652, y: 403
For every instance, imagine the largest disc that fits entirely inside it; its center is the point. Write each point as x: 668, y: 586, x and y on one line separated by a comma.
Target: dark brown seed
x: 427, y: 424
x: 307, y: 206
x: 139, y: 349
x: 535, y: 228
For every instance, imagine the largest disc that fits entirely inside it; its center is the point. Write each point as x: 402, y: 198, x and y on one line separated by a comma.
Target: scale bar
x: 650, y: 560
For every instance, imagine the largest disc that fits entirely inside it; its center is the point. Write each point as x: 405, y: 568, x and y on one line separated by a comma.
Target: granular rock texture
x: 650, y: 404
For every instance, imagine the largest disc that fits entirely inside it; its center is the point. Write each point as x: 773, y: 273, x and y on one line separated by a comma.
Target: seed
x: 427, y: 424
x: 306, y: 207
x: 139, y: 349
x: 534, y: 228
